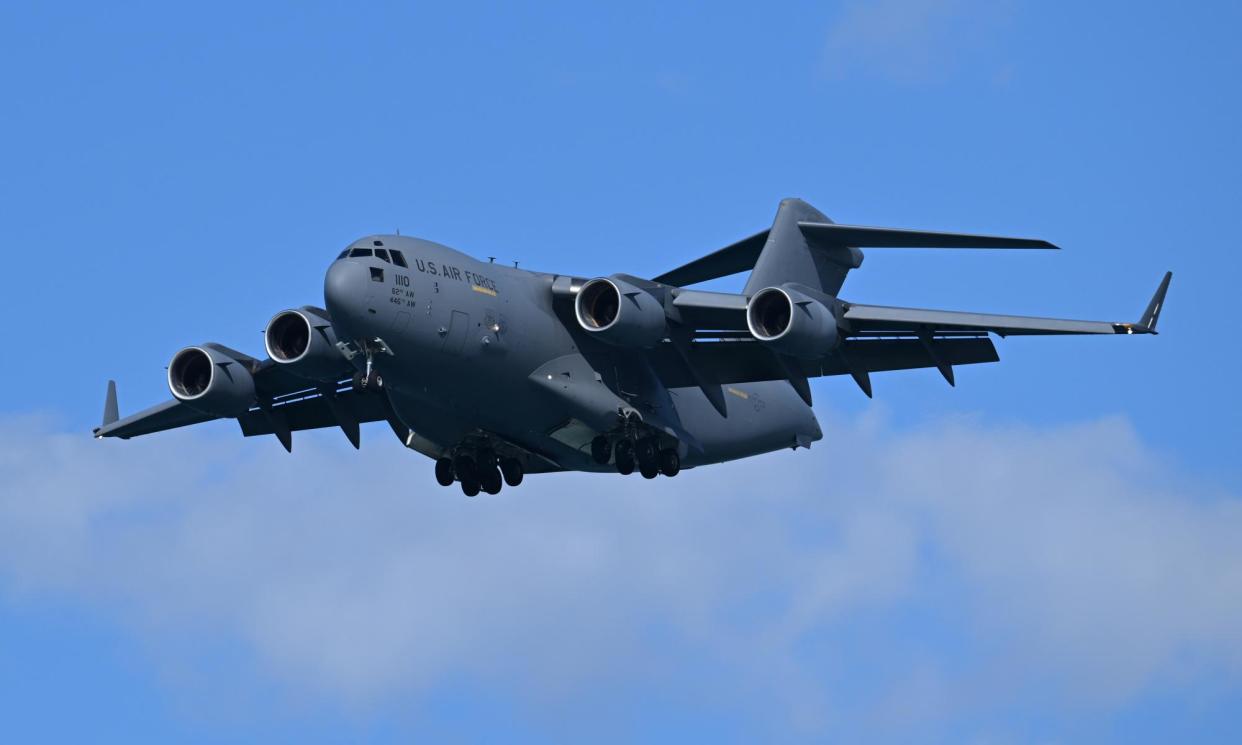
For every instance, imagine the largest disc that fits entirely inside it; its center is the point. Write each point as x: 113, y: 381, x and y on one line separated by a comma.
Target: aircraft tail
x: 788, y: 254
x: 805, y: 247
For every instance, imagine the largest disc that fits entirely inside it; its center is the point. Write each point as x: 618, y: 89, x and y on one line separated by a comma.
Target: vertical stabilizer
x: 788, y: 255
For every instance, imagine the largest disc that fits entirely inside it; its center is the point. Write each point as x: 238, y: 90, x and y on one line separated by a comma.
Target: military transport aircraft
x: 495, y: 372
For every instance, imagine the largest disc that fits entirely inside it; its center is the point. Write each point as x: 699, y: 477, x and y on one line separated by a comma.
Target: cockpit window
x: 344, y: 254
x: 359, y: 253
x: 382, y: 253
x: 398, y: 258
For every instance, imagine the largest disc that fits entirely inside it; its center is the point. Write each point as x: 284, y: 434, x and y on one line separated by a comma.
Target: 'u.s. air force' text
x: 402, y: 294
x: 452, y: 272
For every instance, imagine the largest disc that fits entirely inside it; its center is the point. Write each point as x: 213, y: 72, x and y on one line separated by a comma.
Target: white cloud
x: 1073, y: 553
x: 912, y: 40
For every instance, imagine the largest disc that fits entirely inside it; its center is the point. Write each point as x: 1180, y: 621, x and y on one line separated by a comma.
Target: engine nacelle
x: 621, y: 314
x: 304, y: 342
x: 210, y: 381
x: 792, y: 322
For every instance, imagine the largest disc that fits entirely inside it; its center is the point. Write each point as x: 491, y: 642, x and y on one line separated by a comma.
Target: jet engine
x: 621, y: 314
x: 792, y: 322
x: 206, y: 379
x: 304, y: 342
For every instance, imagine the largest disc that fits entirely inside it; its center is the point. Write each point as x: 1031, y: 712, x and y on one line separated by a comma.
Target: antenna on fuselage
x: 491, y: 259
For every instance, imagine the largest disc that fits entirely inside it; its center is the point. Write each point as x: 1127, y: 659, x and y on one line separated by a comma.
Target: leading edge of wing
x: 168, y: 415
x: 878, y: 318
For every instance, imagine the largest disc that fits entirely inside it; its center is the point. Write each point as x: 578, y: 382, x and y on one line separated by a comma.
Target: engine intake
x: 792, y: 322
x: 210, y: 381
x: 621, y: 314
x: 303, y: 340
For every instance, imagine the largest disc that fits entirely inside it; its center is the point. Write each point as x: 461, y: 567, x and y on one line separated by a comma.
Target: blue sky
x: 170, y: 175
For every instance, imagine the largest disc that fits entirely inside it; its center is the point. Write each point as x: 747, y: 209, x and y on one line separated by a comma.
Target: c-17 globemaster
x: 495, y: 372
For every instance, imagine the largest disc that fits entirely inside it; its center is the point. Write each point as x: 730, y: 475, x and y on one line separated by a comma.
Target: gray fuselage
x: 479, y: 348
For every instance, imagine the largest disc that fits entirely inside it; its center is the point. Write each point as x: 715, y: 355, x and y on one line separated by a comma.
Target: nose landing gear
x: 369, y: 378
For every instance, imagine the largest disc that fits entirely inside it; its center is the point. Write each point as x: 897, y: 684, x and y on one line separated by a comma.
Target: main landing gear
x: 479, y: 470
x: 643, y: 453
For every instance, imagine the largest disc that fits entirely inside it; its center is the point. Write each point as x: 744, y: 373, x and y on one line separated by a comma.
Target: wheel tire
x: 647, y: 454
x: 601, y: 450
x: 376, y: 384
x: 469, y: 487
x: 511, y: 469
x: 356, y: 384
x: 465, y: 469
x: 649, y: 470
x: 670, y: 463
x: 489, y: 480
x: 623, y: 457
x: 444, y: 471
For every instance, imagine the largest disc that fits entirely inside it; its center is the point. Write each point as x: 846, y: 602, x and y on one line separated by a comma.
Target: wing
x: 287, y: 404
x: 879, y: 320
x: 716, y: 349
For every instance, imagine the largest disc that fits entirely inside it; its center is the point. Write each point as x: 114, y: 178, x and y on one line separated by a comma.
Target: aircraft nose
x: 344, y: 290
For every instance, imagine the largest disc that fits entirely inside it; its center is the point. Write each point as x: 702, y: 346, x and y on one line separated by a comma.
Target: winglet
x: 111, y: 412
x: 1148, y: 322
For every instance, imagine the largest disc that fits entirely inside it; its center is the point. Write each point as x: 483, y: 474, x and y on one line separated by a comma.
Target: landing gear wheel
x: 623, y: 457
x: 600, y: 450
x: 511, y: 469
x: 444, y: 471
x: 646, y: 452
x: 670, y: 463
x: 469, y: 487
x: 489, y: 479
x: 465, y: 470
x: 360, y: 384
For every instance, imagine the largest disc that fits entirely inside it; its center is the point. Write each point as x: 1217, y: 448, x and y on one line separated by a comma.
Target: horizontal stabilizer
x: 864, y: 237
x: 732, y: 259
x: 744, y: 254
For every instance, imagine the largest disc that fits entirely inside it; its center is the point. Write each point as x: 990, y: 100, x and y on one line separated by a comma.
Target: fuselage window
x: 359, y: 253
x: 382, y: 253
x: 398, y: 258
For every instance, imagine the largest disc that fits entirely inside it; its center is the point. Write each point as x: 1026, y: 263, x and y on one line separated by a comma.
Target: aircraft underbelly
x: 763, y: 417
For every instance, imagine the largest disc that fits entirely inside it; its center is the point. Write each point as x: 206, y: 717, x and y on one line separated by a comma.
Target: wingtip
x: 1152, y: 314
x: 111, y: 411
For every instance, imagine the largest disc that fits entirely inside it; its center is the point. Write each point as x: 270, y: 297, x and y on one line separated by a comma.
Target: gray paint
x: 475, y: 355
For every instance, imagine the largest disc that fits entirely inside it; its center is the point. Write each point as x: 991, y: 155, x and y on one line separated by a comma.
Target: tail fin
x: 787, y: 255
